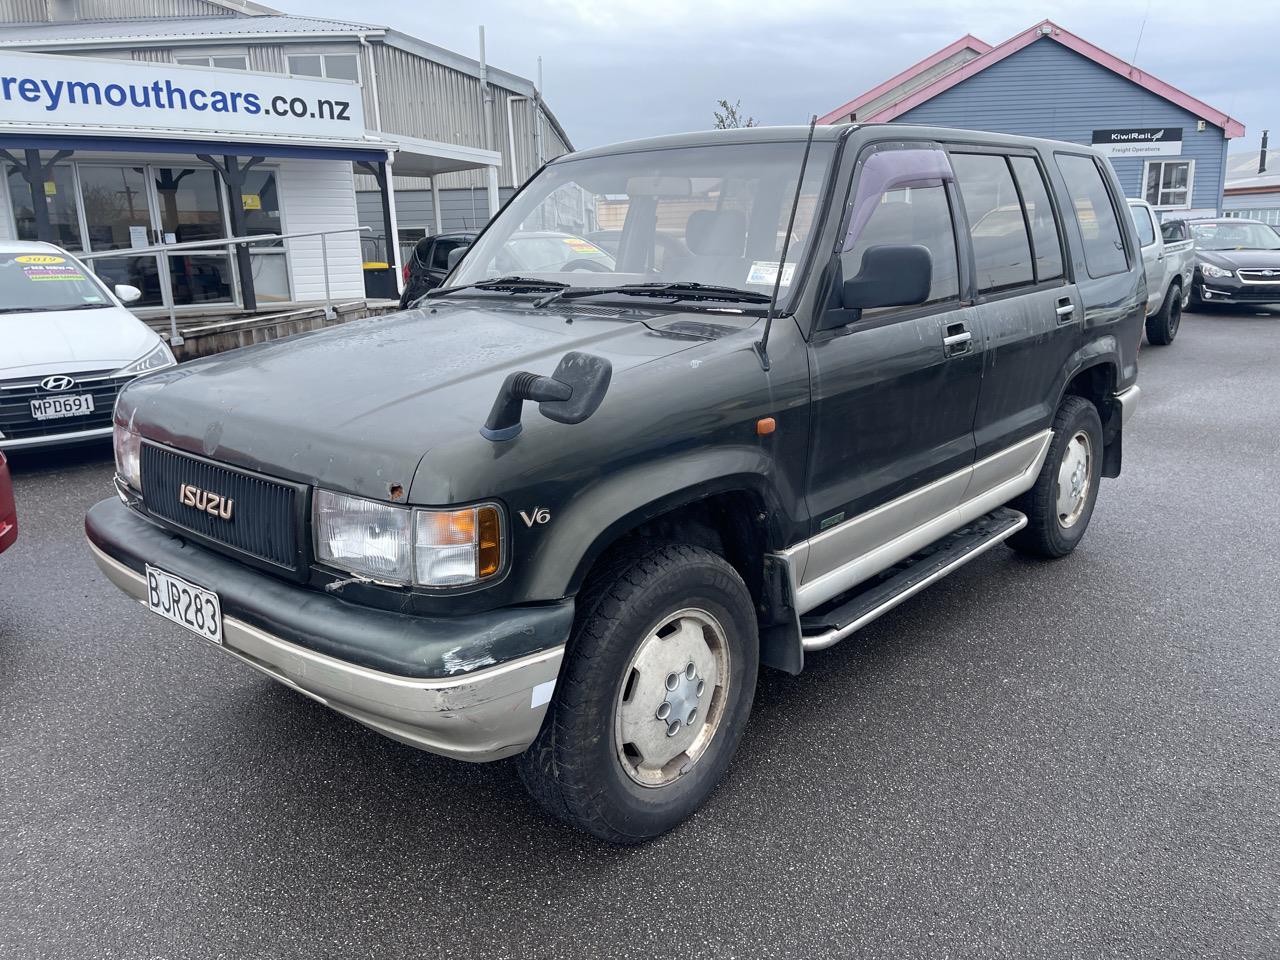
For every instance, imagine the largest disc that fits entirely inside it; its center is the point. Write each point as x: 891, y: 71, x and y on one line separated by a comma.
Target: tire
x: 1050, y: 532
x: 645, y: 611
x: 1162, y: 326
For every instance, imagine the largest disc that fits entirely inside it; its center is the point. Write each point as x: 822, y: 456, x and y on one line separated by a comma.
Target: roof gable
x: 1046, y: 29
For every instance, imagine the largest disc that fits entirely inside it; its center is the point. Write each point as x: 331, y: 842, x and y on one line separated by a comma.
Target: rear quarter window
x: 1095, y: 214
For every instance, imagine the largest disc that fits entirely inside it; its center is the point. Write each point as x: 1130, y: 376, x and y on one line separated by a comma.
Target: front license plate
x: 51, y: 408
x: 184, y: 603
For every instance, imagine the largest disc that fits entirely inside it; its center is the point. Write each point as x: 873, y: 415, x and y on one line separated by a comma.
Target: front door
x: 896, y: 389
x: 141, y: 206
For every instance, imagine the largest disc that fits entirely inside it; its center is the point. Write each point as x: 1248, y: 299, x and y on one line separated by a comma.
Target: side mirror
x: 127, y: 293
x: 456, y: 254
x: 892, y: 275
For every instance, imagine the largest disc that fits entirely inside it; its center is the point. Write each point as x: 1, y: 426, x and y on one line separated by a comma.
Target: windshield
x: 37, y: 282
x: 710, y: 215
x: 1217, y: 235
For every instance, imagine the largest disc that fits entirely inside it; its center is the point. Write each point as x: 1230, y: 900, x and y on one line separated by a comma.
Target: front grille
x: 1259, y: 276
x: 266, y: 523
x: 16, y: 422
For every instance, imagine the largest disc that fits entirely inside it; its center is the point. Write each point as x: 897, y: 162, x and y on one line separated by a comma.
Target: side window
x: 1173, y: 230
x: 1095, y: 214
x: 1045, y: 240
x: 440, y: 255
x: 1001, y: 247
x: 1142, y: 220
x: 915, y: 215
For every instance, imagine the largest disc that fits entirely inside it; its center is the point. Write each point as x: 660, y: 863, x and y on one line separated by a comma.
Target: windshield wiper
x: 513, y: 284
x: 74, y: 306
x: 675, y: 291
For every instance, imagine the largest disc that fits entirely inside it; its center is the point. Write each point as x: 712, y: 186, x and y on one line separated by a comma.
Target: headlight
x: 1209, y: 270
x: 158, y: 356
x: 403, y: 545
x: 128, y: 447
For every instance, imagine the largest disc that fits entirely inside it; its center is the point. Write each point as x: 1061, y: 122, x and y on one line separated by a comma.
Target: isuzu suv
x: 888, y: 349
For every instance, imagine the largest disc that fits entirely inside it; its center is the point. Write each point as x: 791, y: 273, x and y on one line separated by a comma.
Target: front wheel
x: 1162, y: 326
x: 653, y: 696
x: 1059, y: 506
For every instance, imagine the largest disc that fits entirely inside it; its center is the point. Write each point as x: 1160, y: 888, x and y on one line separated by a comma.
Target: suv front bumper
x: 472, y: 688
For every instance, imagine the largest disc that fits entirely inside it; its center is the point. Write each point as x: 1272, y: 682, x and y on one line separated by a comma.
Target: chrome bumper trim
x: 53, y: 439
x: 482, y: 715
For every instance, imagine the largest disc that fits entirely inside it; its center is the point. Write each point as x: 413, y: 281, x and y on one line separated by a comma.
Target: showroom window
x: 335, y: 66
x: 1167, y: 183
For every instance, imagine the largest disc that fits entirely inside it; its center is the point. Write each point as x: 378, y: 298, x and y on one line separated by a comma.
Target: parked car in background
x: 67, y: 346
x: 1237, y: 262
x: 8, y: 511
x: 568, y: 515
x: 1169, y: 261
x: 429, y: 263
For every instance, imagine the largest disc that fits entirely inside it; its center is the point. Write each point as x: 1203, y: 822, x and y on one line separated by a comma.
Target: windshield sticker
x: 581, y: 246
x: 40, y: 258
x: 91, y: 299
x: 766, y: 271
x: 52, y: 272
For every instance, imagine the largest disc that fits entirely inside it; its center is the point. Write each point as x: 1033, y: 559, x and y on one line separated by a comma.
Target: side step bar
x: 838, y: 618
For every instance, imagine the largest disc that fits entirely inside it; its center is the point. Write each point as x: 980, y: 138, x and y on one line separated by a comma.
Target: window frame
x: 1191, y: 182
x: 1119, y: 209
x: 1018, y: 286
x: 209, y: 54
x: 964, y: 262
x: 1003, y: 293
x: 1151, y: 220
x: 324, y: 64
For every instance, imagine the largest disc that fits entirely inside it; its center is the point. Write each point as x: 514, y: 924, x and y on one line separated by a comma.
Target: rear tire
x: 1059, y: 506
x: 624, y: 753
x: 1162, y: 326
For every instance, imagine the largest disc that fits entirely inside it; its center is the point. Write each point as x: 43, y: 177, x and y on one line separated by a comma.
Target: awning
x: 427, y: 158
x: 15, y: 136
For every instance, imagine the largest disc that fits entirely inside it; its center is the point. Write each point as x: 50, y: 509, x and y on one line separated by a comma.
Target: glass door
x: 118, y: 216
x: 189, y: 207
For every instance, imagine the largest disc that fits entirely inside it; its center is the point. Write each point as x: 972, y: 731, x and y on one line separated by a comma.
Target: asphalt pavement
x: 1070, y: 759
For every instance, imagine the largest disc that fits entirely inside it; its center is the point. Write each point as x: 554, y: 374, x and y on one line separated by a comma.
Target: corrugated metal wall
x: 465, y: 209
x: 266, y: 57
x: 23, y: 11
x: 320, y: 195
x: 1046, y: 90
x: 132, y: 9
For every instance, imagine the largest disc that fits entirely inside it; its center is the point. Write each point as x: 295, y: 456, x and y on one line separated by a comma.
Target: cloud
x: 618, y: 69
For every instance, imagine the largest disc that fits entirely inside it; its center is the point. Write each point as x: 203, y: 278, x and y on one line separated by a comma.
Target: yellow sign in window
x: 251, y: 201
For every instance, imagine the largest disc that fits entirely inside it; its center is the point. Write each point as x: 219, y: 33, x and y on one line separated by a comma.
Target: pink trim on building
x: 968, y: 41
x: 1049, y: 29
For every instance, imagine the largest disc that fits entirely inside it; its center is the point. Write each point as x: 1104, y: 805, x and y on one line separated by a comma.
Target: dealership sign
x: 1140, y: 142
x: 72, y: 91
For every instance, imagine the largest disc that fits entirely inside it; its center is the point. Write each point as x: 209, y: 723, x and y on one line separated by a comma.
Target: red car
x: 8, y: 513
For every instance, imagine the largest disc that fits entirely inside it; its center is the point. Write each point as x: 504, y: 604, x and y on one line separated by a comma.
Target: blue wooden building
x: 1166, y: 146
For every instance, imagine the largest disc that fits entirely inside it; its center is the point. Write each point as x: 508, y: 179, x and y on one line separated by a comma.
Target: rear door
x: 896, y: 388
x: 1026, y: 306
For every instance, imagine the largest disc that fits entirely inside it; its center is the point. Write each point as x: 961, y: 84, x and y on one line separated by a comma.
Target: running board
x: 838, y: 618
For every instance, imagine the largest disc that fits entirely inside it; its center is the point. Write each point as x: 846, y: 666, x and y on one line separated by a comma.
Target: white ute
x: 1169, y: 260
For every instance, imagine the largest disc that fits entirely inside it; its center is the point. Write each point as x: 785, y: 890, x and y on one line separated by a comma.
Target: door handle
x: 1066, y: 310
x: 958, y: 340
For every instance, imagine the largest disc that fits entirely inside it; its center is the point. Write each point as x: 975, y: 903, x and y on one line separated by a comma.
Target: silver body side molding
x: 838, y: 559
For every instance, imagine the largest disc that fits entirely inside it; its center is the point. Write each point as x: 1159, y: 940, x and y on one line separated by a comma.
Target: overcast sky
x: 616, y: 69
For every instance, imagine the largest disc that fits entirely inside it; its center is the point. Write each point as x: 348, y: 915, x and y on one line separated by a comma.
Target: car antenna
x: 762, y: 345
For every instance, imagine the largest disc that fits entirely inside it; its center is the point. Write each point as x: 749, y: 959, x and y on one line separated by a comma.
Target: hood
x: 354, y: 408
x: 64, y: 341
x: 1235, y: 259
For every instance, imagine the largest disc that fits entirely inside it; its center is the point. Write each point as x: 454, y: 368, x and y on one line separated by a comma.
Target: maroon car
x: 8, y: 514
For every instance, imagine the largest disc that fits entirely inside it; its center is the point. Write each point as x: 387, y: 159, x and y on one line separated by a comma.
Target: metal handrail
x: 227, y: 243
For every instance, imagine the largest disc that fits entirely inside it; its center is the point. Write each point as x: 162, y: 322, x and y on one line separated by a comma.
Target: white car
x: 67, y: 346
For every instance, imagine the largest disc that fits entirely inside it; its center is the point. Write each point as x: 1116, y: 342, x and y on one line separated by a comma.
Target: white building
x: 127, y: 124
